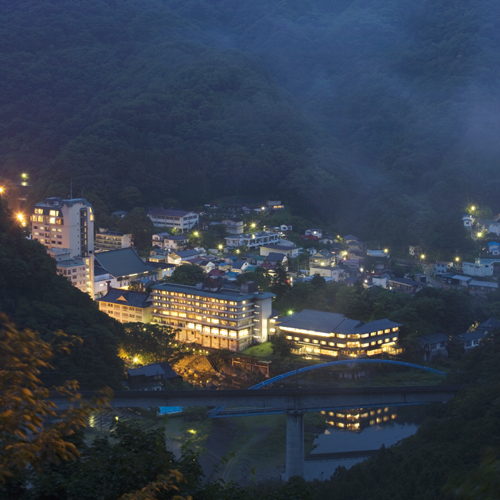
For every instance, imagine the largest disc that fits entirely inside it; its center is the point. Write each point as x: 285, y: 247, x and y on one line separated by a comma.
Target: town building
x: 64, y: 224
x: 253, y: 240
x: 404, y: 285
x: 212, y: 316
x: 168, y: 241
x: 126, y: 306
x: 111, y: 240
x: 331, y: 334
x: 74, y: 269
x: 434, y: 345
x: 234, y: 226
x: 176, y: 219
x: 123, y: 266
x: 442, y: 267
x: 67, y: 224
x: 478, y: 269
x: 291, y: 251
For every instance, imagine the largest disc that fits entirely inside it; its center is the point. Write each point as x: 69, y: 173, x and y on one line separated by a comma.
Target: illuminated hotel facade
x: 331, y: 334
x: 67, y: 225
x: 215, y: 318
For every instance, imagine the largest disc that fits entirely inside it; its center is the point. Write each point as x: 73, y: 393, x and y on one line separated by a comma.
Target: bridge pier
x: 294, y: 443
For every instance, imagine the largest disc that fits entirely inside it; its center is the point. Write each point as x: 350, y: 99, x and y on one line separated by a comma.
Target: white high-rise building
x: 67, y: 224
x: 62, y: 223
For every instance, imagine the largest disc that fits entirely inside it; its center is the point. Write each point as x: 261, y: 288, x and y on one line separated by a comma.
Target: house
x: 482, y: 286
x: 458, y: 279
x: 415, y: 250
x: 177, y: 258
x: 330, y: 273
x: 468, y: 220
x: 442, y: 267
x: 380, y: 280
x: 111, y: 240
x: 489, y: 226
x: 488, y: 326
x: 239, y: 266
x: 207, y: 265
x: 123, y: 266
x: 253, y: 240
x: 176, y: 219
x: 215, y: 273
x: 234, y: 226
x: 290, y: 251
x: 323, y: 258
x: 169, y: 241
x: 277, y: 258
x: 126, y: 306
x: 378, y: 254
x: 477, y: 269
x: 317, y: 233
x: 350, y: 239
x: 275, y: 204
x: 494, y: 248
x: 434, y: 345
x: 152, y: 377
x: 163, y: 269
x: 470, y: 340
x: 404, y: 285
x: 331, y: 334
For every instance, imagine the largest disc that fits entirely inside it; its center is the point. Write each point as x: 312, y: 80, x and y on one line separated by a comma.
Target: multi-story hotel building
x: 111, y: 240
x: 64, y: 224
x: 177, y: 219
x: 67, y: 224
x: 213, y: 317
x: 125, y: 306
x: 330, y: 334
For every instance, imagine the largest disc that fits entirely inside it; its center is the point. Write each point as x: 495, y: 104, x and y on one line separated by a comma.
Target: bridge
x: 293, y: 402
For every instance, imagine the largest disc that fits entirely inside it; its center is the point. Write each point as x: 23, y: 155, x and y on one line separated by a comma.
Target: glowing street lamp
x: 386, y: 250
x: 290, y: 312
x: 220, y: 247
x: 479, y: 235
x: 457, y: 259
x: 253, y: 224
x: 1, y: 190
x: 196, y: 233
x: 422, y: 256
x: 473, y: 208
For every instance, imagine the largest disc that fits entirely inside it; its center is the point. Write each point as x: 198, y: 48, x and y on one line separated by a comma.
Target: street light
x: 422, y: 256
x: 457, y: 259
x: 479, y: 235
x: 196, y: 233
x: 386, y: 250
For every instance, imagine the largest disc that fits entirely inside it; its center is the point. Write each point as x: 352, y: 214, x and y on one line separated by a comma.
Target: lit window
x: 306, y: 340
x: 289, y: 337
x: 296, y: 338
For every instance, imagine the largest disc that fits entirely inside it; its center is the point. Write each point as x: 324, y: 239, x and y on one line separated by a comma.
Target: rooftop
x: 122, y: 262
x: 224, y: 293
x: 125, y: 297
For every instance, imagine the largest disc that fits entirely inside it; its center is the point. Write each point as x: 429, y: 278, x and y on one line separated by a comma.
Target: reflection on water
x: 356, y: 420
x: 353, y: 436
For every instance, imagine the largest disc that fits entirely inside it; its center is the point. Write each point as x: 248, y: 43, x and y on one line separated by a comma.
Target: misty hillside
x: 380, y: 115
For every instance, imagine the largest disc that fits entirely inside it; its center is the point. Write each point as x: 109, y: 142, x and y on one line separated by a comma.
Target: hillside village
x: 210, y: 275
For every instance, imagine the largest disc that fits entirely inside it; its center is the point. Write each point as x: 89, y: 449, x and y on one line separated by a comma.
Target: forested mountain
x: 35, y: 297
x: 379, y: 115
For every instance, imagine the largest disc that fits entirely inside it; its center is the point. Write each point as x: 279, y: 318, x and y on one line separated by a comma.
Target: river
x: 354, y: 435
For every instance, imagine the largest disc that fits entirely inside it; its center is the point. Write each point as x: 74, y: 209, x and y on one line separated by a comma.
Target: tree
x: 139, y: 225
x: 31, y: 432
x: 152, y: 342
x: 281, y: 347
x: 187, y: 274
x: 281, y: 284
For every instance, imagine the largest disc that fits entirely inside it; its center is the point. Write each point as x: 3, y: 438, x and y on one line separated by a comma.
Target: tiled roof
x: 124, y: 297
x: 122, y: 262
